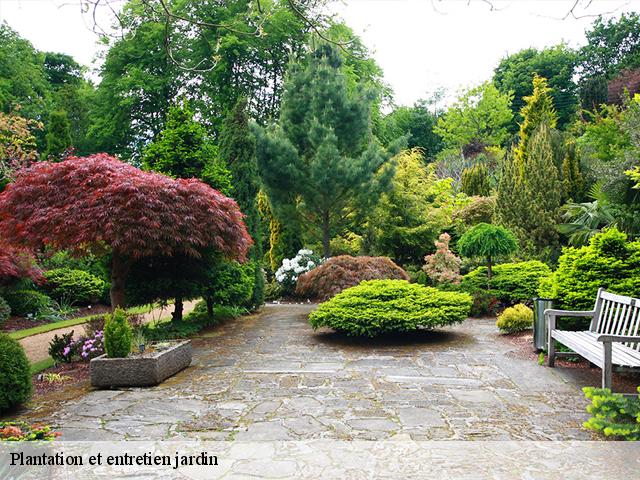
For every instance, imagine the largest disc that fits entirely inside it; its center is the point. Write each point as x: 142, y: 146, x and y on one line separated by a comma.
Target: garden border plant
x: 378, y: 307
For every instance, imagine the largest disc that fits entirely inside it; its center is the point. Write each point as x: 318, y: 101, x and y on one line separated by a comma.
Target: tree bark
x: 178, y: 307
x: 119, y: 270
x: 326, y: 236
x: 210, y: 309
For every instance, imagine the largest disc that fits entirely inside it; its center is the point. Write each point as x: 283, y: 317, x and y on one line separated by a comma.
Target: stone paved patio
x: 271, y: 377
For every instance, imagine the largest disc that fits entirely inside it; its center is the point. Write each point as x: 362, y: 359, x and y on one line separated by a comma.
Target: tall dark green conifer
x: 58, y: 135
x: 321, y: 157
x: 238, y: 152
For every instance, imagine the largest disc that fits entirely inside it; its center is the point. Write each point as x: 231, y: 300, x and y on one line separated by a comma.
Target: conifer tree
x: 238, y: 152
x: 538, y: 109
x: 529, y: 197
x: 58, y: 135
x: 572, y: 180
x: 475, y: 181
x: 321, y: 157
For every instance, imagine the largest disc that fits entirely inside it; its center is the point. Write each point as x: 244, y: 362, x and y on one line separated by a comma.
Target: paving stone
x: 271, y: 377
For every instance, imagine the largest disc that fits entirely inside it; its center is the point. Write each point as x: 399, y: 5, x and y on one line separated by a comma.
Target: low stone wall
x: 142, y: 371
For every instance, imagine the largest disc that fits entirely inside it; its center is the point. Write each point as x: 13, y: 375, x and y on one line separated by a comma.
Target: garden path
x: 37, y: 346
x: 269, y: 376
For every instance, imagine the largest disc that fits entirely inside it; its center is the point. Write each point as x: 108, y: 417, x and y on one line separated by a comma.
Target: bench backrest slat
x: 617, y: 315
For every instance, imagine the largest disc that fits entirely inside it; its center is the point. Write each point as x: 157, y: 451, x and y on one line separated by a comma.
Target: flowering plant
x: 83, y: 348
x: 443, y: 266
x: 288, y: 273
x: 24, y: 432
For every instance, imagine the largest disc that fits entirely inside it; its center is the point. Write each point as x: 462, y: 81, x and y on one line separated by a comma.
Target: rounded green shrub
x: 515, y: 319
x: 76, y: 286
x: 26, y: 302
x: 117, y: 334
x: 511, y: 282
x: 5, y: 311
x: 15, y: 373
x: 609, y: 261
x: 376, y: 307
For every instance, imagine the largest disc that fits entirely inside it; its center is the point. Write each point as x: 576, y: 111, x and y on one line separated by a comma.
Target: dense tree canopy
x: 91, y: 203
x: 557, y: 64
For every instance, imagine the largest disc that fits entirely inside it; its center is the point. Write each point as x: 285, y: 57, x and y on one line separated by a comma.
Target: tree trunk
x: 489, y: 270
x: 178, y: 307
x: 210, y: 309
x: 119, y: 270
x: 326, y: 236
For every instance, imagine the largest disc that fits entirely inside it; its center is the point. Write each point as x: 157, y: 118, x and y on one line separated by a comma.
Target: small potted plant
x: 121, y: 367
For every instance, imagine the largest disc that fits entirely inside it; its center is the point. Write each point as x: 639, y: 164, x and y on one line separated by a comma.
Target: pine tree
x: 538, y: 109
x: 321, y: 157
x: 58, y: 135
x: 475, y: 181
x: 238, y: 151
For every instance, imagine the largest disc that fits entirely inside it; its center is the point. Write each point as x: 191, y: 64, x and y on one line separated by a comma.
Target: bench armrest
x: 619, y: 338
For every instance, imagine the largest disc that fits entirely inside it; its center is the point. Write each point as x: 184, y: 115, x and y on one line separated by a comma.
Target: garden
x: 276, y: 224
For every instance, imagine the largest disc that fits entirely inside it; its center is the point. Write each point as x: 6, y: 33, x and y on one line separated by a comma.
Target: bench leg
x: 551, y: 359
x: 607, y: 368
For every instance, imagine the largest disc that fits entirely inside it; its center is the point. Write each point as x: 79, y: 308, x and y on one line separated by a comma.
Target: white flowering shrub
x: 288, y: 273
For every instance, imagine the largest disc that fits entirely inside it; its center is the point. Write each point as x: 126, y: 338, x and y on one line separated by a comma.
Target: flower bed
x: 25, y: 432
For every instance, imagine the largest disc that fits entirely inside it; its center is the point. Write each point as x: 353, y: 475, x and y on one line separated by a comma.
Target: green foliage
x: 417, y: 124
x: 515, y: 319
x: 238, y: 151
x: 613, y: 45
x: 557, y: 63
x: 613, y: 414
x: 380, y: 307
x: 529, y: 196
x: 478, y: 210
x: 117, y: 334
x: 412, y: 213
x: 231, y: 284
x: 488, y: 242
x: 75, y: 286
x: 26, y: 432
x: 321, y: 152
x: 609, y: 261
x: 511, y: 282
x: 15, y: 373
x: 182, y: 149
x: 572, y: 178
x: 475, y: 181
x: 57, y: 346
x: 538, y: 109
x: 58, y: 135
x: 481, y: 114
x: 272, y: 291
x: 26, y: 302
x: 5, y: 311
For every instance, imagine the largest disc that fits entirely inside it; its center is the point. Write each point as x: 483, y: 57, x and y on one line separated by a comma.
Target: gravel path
x: 36, y: 346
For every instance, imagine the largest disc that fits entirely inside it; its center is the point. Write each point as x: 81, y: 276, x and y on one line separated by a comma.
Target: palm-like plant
x: 584, y: 220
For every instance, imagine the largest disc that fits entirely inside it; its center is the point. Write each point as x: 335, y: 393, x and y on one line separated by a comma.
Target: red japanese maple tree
x: 17, y: 263
x: 98, y: 202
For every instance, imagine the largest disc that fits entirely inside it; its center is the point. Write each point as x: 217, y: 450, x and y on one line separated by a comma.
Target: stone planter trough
x: 140, y: 371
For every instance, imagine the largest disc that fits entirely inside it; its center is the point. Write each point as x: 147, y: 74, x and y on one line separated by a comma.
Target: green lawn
x: 66, y: 323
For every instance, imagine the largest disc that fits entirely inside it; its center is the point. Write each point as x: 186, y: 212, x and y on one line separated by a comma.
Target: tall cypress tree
x: 321, y: 157
x: 238, y: 152
x: 58, y: 135
x: 530, y: 188
x: 538, y: 109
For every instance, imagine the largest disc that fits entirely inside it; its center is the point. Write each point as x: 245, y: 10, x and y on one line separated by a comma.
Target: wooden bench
x: 613, y: 338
